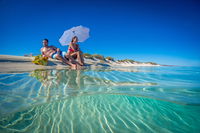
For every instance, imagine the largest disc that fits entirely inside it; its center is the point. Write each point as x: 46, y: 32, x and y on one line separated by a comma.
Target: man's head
x: 45, y: 42
x: 74, y: 39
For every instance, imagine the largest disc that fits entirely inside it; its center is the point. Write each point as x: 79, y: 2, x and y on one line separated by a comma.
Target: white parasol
x: 81, y: 32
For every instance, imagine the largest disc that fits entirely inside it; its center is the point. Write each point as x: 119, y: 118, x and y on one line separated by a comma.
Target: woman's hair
x: 74, y: 38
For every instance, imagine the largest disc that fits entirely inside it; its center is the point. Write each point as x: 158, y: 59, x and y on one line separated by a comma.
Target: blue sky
x: 162, y: 31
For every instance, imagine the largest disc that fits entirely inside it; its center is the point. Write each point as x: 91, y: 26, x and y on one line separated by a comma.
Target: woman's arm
x: 77, y: 47
x: 71, y: 46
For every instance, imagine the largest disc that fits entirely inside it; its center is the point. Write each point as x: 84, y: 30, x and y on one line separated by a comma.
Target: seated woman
x: 74, y: 51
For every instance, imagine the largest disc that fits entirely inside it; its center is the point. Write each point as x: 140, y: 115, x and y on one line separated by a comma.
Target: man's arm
x: 41, y: 50
x: 53, y: 47
x: 57, y: 49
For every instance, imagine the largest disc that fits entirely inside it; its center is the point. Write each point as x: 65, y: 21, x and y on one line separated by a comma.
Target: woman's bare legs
x: 73, y: 66
x: 79, y: 57
x: 70, y: 58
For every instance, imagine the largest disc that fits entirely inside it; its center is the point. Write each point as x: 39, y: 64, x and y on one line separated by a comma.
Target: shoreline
x: 11, y: 63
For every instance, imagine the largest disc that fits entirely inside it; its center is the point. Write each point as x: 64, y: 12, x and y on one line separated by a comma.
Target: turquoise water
x: 104, y: 100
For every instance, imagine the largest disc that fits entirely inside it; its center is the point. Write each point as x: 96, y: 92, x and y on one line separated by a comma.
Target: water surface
x: 133, y: 99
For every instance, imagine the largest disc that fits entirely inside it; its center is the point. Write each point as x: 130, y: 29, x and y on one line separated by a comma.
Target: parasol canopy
x: 81, y: 32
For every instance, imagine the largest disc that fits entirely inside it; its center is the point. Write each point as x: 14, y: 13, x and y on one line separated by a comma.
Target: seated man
x: 55, y: 53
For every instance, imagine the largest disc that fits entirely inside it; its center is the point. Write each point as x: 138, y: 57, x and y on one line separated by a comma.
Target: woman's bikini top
x: 71, y: 50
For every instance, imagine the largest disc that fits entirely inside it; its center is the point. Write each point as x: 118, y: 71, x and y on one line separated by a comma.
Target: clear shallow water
x: 136, y: 99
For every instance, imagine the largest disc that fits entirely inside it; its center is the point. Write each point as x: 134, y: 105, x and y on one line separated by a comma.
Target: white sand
x: 9, y: 63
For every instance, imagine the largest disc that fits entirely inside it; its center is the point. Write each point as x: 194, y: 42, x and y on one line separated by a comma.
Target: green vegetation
x: 101, y: 57
x: 102, y: 61
x: 87, y: 56
x: 127, y: 60
x: 98, y: 56
x: 110, y: 58
x: 152, y: 63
